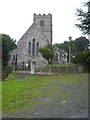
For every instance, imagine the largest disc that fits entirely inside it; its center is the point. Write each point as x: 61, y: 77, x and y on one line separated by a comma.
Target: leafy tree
x: 64, y: 46
x: 81, y: 43
x: 82, y: 58
x: 77, y: 45
x: 84, y: 18
x: 48, y: 52
x: 8, y: 44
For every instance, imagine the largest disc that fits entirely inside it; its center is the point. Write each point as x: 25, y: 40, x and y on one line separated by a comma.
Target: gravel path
x: 73, y: 103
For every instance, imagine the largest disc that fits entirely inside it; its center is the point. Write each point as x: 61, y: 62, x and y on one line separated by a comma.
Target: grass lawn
x: 19, y: 93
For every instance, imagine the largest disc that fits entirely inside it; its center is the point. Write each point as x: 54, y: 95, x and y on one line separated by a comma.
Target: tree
x: 84, y: 18
x: 48, y: 52
x: 77, y: 45
x: 8, y: 44
x: 82, y: 58
x: 64, y: 46
x: 81, y: 43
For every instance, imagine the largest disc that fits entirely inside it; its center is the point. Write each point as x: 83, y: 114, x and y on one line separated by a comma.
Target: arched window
x: 37, y: 48
x: 56, y: 57
x: 33, y: 47
x: 14, y: 57
x: 29, y: 48
x: 41, y: 22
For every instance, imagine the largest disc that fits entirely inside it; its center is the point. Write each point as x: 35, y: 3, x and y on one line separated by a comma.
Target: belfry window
x: 41, y: 22
x: 37, y: 48
x: 33, y: 47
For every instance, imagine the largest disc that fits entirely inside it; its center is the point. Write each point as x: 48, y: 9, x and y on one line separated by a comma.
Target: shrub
x: 82, y: 58
x: 6, y: 69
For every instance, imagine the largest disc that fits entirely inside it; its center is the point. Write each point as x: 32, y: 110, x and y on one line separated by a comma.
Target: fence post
x: 58, y: 68
x: 74, y: 69
x: 49, y: 69
x: 67, y: 69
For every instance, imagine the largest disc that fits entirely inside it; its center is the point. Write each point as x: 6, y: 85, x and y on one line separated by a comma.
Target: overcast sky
x: 17, y: 17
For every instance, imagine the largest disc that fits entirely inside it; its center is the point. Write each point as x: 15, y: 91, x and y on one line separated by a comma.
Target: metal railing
x: 51, y: 69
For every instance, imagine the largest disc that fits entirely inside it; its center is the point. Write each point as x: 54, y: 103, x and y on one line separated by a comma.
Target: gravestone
x: 32, y: 70
x: 80, y: 69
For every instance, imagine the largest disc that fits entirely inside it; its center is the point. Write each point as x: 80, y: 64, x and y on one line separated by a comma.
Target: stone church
x: 38, y: 35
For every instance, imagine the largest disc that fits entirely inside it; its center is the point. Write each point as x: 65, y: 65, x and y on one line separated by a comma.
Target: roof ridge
x: 33, y: 24
x: 25, y: 32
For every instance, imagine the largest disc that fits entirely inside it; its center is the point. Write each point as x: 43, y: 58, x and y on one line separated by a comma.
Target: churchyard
x: 53, y: 96
x: 36, y: 89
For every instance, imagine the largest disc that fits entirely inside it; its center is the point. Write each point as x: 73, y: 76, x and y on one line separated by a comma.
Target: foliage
x: 6, y: 69
x: 8, y: 44
x: 82, y: 58
x: 84, y: 18
x: 81, y: 43
x: 48, y: 52
x: 77, y: 45
x: 64, y: 46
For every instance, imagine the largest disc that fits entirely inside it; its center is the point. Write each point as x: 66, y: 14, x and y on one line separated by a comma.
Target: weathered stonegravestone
x: 32, y: 67
x: 80, y: 69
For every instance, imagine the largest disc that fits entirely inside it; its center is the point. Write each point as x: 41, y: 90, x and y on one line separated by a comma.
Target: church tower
x: 45, y: 23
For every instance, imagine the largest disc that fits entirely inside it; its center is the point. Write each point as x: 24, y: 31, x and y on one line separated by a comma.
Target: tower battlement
x: 45, y: 23
x: 43, y: 14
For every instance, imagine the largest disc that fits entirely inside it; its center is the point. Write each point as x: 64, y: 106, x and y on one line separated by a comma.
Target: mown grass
x: 18, y: 93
